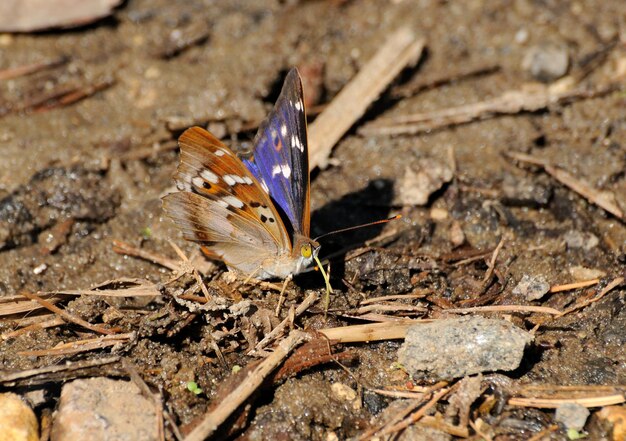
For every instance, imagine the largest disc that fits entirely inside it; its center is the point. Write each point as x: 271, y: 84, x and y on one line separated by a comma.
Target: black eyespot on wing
x: 263, y: 218
x: 255, y: 204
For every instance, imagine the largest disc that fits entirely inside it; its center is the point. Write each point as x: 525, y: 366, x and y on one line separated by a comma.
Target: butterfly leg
x: 245, y: 282
x: 281, y: 299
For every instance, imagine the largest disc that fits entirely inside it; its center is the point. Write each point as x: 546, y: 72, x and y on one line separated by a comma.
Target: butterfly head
x: 305, y: 251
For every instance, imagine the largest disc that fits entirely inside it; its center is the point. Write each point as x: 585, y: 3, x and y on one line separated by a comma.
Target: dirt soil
x: 75, y: 177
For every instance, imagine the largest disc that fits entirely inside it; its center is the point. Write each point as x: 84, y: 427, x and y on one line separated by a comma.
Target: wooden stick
x: 370, y: 332
x: 510, y: 102
x: 603, y: 199
x: 575, y: 285
x: 28, y: 69
x: 49, y: 323
x: 614, y: 283
x: 414, y: 417
x: 240, y: 394
x: 126, y: 249
x: 16, y: 304
x: 400, y: 50
x: 505, y: 308
x: 9, y: 376
x: 76, y: 347
x: 66, y: 315
x: 553, y: 403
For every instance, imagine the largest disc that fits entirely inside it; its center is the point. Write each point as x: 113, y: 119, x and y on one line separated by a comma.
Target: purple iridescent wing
x: 280, y: 160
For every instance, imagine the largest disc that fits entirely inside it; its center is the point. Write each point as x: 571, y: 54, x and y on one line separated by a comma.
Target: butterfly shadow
x: 369, y: 204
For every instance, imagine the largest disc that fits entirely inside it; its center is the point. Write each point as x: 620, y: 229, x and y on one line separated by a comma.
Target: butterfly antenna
x: 369, y: 224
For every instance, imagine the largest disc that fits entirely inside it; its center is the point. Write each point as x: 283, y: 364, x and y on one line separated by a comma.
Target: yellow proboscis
x: 329, y: 288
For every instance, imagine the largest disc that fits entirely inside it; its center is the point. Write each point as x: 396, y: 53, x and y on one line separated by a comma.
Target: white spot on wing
x: 220, y: 152
x: 264, y: 186
x: 296, y: 144
x: 298, y: 105
x: 229, y: 180
x: 197, y: 181
x: 283, y: 169
x: 286, y: 170
x: 247, y: 180
x: 209, y: 176
x: 232, y: 200
x: 283, y: 130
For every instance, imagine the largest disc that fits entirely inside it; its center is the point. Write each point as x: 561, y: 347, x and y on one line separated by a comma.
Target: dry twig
x: 28, y: 69
x: 370, y: 332
x: 48, y: 323
x: 553, y: 403
x: 603, y: 199
x: 76, y: 347
x: 66, y: 315
x: 614, y: 283
x: 510, y: 102
x: 240, y: 394
x: 575, y: 285
x: 65, y: 96
x: 414, y: 417
x: 8, y: 378
x: 505, y: 308
x: 271, y: 336
x: 126, y: 249
x: 400, y: 50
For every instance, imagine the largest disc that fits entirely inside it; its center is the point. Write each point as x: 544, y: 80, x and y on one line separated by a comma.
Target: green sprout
x: 146, y: 232
x: 193, y: 387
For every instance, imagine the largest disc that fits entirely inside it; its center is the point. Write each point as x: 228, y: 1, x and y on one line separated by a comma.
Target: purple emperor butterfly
x: 251, y: 213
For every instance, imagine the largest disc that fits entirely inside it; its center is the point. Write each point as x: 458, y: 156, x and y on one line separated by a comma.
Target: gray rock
x: 100, y: 409
x: 453, y: 348
x: 572, y: 415
x: 532, y: 288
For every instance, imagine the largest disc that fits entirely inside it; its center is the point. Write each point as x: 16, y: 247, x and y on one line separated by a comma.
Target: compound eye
x: 306, y: 251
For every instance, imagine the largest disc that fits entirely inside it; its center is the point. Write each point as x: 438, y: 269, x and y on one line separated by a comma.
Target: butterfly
x: 253, y: 212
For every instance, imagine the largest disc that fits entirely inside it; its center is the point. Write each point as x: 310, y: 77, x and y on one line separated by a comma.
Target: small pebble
x: 521, y: 36
x: 546, y: 62
x: 532, y: 288
x: 572, y: 415
x: 580, y: 273
x: 17, y: 420
x: 40, y: 269
x: 456, y: 234
x: 581, y: 239
x: 343, y: 392
x: 522, y: 192
x: 438, y: 214
x: 422, y: 180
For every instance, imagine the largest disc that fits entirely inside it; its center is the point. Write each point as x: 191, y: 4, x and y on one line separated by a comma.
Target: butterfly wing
x: 222, y: 206
x: 280, y: 159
